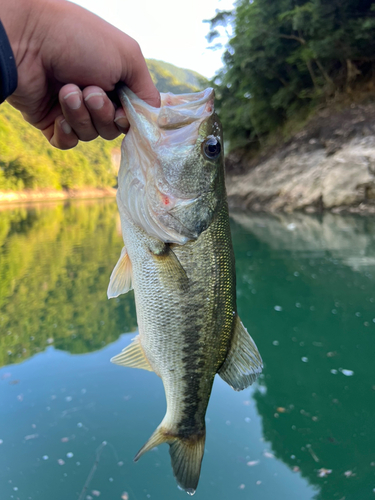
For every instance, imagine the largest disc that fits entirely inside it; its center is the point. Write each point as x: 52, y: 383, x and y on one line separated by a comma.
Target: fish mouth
x: 176, y: 111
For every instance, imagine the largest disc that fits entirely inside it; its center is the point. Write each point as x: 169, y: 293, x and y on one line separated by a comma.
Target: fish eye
x: 212, y: 148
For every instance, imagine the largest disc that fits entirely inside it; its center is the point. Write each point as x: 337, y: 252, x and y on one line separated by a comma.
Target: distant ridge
x: 168, y: 77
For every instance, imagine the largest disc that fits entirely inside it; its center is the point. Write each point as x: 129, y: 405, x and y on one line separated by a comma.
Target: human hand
x: 60, y: 49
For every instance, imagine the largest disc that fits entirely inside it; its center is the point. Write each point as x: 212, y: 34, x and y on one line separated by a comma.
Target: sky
x: 168, y: 30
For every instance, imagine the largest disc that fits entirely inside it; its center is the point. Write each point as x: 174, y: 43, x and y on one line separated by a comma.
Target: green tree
x: 287, y: 55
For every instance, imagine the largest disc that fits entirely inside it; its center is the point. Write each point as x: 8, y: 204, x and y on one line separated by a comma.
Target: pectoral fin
x: 243, y: 363
x: 121, y: 278
x: 167, y: 260
x: 133, y: 356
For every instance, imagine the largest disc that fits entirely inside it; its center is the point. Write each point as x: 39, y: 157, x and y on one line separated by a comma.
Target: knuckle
x: 82, y: 123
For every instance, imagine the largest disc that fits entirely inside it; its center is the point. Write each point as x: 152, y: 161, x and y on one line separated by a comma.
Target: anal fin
x: 121, y: 278
x: 243, y: 363
x: 133, y: 356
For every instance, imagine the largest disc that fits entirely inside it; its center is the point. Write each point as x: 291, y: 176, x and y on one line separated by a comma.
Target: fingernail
x: 95, y: 100
x: 65, y: 127
x: 122, y: 122
x: 73, y: 100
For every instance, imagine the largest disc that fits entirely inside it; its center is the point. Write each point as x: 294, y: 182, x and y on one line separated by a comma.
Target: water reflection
x: 312, y: 293
x: 305, y: 292
x: 55, y: 263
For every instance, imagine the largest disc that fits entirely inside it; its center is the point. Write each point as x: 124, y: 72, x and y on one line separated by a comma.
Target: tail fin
x: 186, y: 456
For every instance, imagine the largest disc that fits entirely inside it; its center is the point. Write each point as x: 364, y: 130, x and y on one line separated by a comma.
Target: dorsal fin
x: 121, y: 278
x: 243, y: 363
x: 133, y: 356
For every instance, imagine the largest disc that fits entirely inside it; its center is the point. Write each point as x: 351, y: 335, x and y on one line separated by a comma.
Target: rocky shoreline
x: 329, y: 165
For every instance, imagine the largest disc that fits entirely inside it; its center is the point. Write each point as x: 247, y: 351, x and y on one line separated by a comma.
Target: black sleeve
x: 8, y: 68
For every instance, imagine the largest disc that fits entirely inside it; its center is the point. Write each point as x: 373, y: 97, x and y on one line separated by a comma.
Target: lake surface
x: 71, y: 422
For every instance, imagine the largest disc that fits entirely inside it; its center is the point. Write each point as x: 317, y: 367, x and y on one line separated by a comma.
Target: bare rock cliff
x: 329, y: 165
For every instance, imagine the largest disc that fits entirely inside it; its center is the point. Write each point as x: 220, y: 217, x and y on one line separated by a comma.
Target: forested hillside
x: 28, y: 162
x: 286, y: 57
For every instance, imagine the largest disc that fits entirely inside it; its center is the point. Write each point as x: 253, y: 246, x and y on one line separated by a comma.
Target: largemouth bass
x: 178, y: 256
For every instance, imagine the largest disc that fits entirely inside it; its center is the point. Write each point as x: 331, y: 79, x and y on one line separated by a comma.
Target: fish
x: 178, y: 258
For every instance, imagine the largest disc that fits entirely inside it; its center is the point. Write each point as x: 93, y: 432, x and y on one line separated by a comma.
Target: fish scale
x: 180, y: 261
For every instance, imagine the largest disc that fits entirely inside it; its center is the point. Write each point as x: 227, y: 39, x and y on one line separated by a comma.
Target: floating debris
x: 305, y: 360
x: 334, y: 372
x: 125, y: 496
x: 324, y: 472
x: 96, y: 493
x: 70, y: 454
x: 258, y: 483
x: 278, y: 308
x: 267, y: 454
x: 45, y: 457
x: 31, y: 436
x: 312, y: 453
x: 60, y: 461
x: 252, y: 463
x: 120, y: 464
x: 296, y: 469
x: 64, y: 439
x: 1, y: 441
x: 281, y: 409
x: 349, y: 473
x: 347, y: 373
x: 93, y: 470
x: 241, y: 487
x: 275, y: 342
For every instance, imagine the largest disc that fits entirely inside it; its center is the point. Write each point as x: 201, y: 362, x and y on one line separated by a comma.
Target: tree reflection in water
x: 55, y: 263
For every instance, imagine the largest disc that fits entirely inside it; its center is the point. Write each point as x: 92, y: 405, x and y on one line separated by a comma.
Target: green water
x: 306, y: 430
